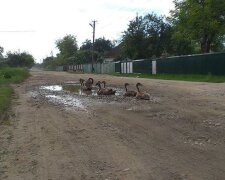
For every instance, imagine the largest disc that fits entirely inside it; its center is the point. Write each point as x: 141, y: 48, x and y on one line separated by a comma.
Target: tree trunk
x: 205, y: 44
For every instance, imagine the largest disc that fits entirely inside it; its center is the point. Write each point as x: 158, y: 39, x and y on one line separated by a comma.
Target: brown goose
x: 129, y: 93
x: 83, y: 85
x: 141, y: 95
x: 104, y: 91
x: 88, y: 84
x: 81, y: 82
x: 108, y: 89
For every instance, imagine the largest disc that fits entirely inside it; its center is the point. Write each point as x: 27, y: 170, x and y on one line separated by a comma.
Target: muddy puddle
x: 71, y: 95
x: 75, y: 88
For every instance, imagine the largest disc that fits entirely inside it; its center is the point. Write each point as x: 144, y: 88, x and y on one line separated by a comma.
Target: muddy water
x: 71, y: 94
x: 75, y: 88
x: 66, y: 100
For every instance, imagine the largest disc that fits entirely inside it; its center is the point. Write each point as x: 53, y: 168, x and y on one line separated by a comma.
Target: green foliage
x: 146, y: 37
x: 202, y: 21
x: 17, y: 59
x: 5, y: 96
x: 67, y: 46
x: 1, y: 52
x: 101, y: 45
x: 50, y: 63
x: 86, y: 45
x: 13, y: 75
x: 9, y: 75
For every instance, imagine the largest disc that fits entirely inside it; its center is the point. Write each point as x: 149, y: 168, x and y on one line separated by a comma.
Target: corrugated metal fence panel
x: 142, y: 66
x: 97, y: 68
x: 108, y: 68
x: 118, y: 67
x: 127, y: 67
x: 87, y: 68
x: 195, y: 64
x: 59, y: 68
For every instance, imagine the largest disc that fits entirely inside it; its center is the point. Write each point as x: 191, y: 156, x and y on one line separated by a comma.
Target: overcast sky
x: 48, y: 20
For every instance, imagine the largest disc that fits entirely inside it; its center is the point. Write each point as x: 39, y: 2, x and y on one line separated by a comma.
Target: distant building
x: 113, y: 53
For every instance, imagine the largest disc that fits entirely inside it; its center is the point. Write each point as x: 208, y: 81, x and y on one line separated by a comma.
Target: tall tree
x: 1, y: 52
x: 133, y: 40
x: 67, y: 46
x: 157, y: 32
x: 146, y: 37
x: 102, y: 45
x: 86, y: 45
x: 200, y: 20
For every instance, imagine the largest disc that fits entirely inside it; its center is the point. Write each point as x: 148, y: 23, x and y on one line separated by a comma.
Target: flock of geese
x: 86, y: 85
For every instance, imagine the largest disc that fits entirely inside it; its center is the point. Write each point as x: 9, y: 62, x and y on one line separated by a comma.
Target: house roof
x: 114, y: 52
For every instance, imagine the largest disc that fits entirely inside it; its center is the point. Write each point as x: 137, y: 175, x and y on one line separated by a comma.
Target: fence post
x: 154, y: 67
x: 126, y: 66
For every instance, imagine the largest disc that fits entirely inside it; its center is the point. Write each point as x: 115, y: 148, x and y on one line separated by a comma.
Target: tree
x: 158, y: 35
x: 84, y: 56
x: 146, y: 37
x: 67, y: 46
x: 1, y: 52
x: 133, y: 40
x: 101, y: 45
x: 86, y: 45
x: 17, y: 59
x: 200, y: 20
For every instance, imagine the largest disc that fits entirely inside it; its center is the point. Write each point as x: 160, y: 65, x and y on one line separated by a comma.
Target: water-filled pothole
x: 75, y: 88
x: 66, y: 100
x: 71, y: 95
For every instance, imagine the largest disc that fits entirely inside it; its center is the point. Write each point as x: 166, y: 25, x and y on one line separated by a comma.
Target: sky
x: 34, y: 25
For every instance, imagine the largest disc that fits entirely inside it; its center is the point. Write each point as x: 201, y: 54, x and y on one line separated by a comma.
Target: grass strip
x: 179, y: 77
x: 7, y: 76
x: 5, y: 99
x: 13, y: 75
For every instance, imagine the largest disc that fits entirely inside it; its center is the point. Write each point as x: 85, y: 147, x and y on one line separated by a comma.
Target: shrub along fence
x: 212, y: 63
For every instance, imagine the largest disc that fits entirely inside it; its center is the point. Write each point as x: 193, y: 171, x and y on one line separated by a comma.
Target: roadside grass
x: 179, y: 77
x: 13, y: 75
x: 5, y: 99
x: 8, y: 76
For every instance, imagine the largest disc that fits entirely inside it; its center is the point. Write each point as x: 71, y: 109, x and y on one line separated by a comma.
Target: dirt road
x: 59, y: 135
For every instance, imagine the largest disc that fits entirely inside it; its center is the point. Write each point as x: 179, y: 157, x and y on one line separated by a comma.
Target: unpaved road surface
x: 178, y: 134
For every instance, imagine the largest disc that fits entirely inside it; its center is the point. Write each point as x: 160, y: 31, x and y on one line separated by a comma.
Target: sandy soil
x: 178, y: 134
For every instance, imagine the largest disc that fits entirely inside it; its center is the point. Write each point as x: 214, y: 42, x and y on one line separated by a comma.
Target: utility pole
x: 92, y: 24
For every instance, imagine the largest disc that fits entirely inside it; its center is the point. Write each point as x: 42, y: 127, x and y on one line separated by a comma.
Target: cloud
x: 54, y: 19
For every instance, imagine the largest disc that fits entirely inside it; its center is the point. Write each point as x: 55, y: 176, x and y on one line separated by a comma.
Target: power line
x: 15, y: 31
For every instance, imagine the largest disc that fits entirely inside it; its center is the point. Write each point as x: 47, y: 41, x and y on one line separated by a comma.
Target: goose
x: 104, y: 91
x: 81, y: 82
x: 83, y: 85
x: 108, y: 89
x: 88, y: 84
x: 141, y: 95
x: 129, y: 93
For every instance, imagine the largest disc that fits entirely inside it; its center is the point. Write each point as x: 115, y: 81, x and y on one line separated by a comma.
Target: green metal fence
x: 194, y: 64
x: 104, y: 68
x: 87, y: 68
x: 118, y: 67
x: 142, y: 66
